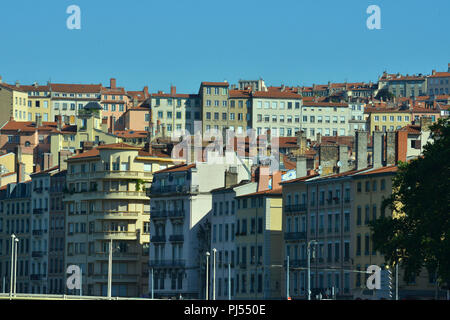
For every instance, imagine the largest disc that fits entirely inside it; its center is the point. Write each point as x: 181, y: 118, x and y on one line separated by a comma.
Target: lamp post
x: 287, y: 279
x: 207, y: 279
x: 214, y: 273
x: 13, y: 237
x: 16, y: 243
x: 152, y: 285
x: 229, y: 281
x: 309, y: 266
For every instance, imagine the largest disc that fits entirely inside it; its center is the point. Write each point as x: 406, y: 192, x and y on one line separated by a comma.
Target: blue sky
x: 159, y: 43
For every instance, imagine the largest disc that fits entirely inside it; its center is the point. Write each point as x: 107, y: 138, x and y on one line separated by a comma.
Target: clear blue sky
x: 158, y: 43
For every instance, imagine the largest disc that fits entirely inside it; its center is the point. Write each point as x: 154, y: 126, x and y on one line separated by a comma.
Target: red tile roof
x: 216, y: 84
x: 276, y: 95
x: 439, y: 75
x: 76, y: 88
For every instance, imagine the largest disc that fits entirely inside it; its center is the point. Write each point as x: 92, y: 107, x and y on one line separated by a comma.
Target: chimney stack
x: 377, y: 149
x: 59, y: 122
x: 111, y: 124
x: 301, y: 167
x: 173, y: 90
x: 276, y: 180
x: 1, y: 79
x: 38, y: 121
x: 112, y: 83
x: 319, y: 138
x: 231, y: 177
x: 146, y: 95
x: 361, y: 149
x: 20, y: 171
x: 301, y: 141
x: 63, y: 155
x: 425, y: 123
x: 343, y: 158
x: 390, y: 148
x: 263, y: 178
x: 48, y: 161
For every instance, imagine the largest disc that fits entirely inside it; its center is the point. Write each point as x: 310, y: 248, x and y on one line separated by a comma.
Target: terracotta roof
x: 324, y: 104
x: 371, y: 171
x: 177, y: 168
x: 299, y: 179
x: 276, y: 94
x: 87, y: 154
x: 76, y: 88
x: 277, y: 191
x: 439, y: 75
x: 37, y: 88
x: 12, y: 87
x: 29, y: 126
x: 131, y: 134
x: 239, y: 93
x: 216, y: 84
x: 119, y: 145
x: 413, y: 129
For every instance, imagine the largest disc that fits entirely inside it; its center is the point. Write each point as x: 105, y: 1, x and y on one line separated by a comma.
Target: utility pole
x: 214, y: 273
x: 229, y: 281
x: 207, y: 276
x: 309, y: 266
x: 16, y: 243
x: 152, y: 285
x: 13, y: 237
x: 287, y: 279
x: 396, y: 281
x: 110, y: 269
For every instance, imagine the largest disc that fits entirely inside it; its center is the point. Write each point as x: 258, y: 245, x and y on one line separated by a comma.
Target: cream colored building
x: 13, y: 103
x: 105, y: 200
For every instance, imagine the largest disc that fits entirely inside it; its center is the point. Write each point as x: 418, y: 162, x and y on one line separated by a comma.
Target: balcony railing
x: 37, y: 277
x: 158, y: 214
x: 38, y: 232
x: 295, y: 236
x: 157, y: 239
x: 38, y: 190
x: 156, y: 190
x: 176, y: 238
x: 176, y: 214
x: 295, y: 208
x: 116, y: 234
x: 37, y: 254
x: 167, y: 263
x: 38, y: 211
x: 105, y: 255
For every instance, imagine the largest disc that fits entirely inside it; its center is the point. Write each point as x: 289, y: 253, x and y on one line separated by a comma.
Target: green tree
x: 385, y: 94
x: 418, y: 232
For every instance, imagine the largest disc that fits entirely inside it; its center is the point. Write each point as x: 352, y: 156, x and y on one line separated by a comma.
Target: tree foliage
x: 418, y: 233
x: 385, y: 94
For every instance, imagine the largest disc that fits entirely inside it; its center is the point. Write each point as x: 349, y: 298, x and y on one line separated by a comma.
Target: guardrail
x: 29, y: 296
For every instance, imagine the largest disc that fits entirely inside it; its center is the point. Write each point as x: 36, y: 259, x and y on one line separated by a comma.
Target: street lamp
x: 13, y: 238
x: 214, y: 273
x: 312, y: 242
x: 110, y: 268
x: 207, y: 279
x: 16, y: 243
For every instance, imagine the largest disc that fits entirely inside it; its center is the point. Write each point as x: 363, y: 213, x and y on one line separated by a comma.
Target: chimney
x: 38, y: 121
x: 301, y: 167
x: 17, y: 84
x: 401, y: 147
x: 425, y: 123
x: 62, y: 157
x: 433, y: 72
x: 390, y: 148
x: 263, y: 178
x: 146, y: 95
x: 343, y: 158
x: 59, y: 122
x: 231, y: 177
x: 361, y: 149
x: 48, y: 161
x: 301, y: 141
x: 319, y: 138
x: 105, y: 125
x: 111, y: 124
x: 1, y: 79
x: 276, y: 180
x: 328, y: 158
x: 173, y: 90
x: 377, y: 149
x: 112, y: 83
x: 20, y: 171
x: 163, y: 130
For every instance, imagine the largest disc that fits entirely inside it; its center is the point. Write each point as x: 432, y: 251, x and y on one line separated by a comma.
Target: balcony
x: 116, y: 277
x: 38, y: 211
x: 295, y: 208
x: 347, y: 200
x: 117, y: 255
x: 297, y: 263
x: 167, y: 263
x: 116, y: 235
x: 172, y: 189
x: 37, y: 254
x: 294, y: 236
x: 158, y: 239
x: 38, y: 190
x: 38, y: 232
x: 176, y: 238
x: 37, y: 277
x: 133, y: 215
x: 110, y: 194
x: 176, y: 214
x: 158, y: 214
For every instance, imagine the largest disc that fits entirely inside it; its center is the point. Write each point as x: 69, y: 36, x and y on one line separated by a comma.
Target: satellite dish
x: 339, y: 164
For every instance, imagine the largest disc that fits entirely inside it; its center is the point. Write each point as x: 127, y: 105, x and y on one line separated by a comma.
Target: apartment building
x: 356, y: 120
x: 325, y: 118
x: 277, y: 111
x: 114, y: 102
x: 181, y: 204
x: 386, y: 119
x: 258, y: 245
x: 105, y: 201
x: 13, y: 102
x: 56, y: 232
x: 39, y: 102
x: 172, y: 112
x: 67, y: 99
x: 239, y: 111
x: 411, y: 139
x: 403, y: 86
x: 223, y: 232
x: 438, y: 82
x: 15, y: 218
x: 214, y: 104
